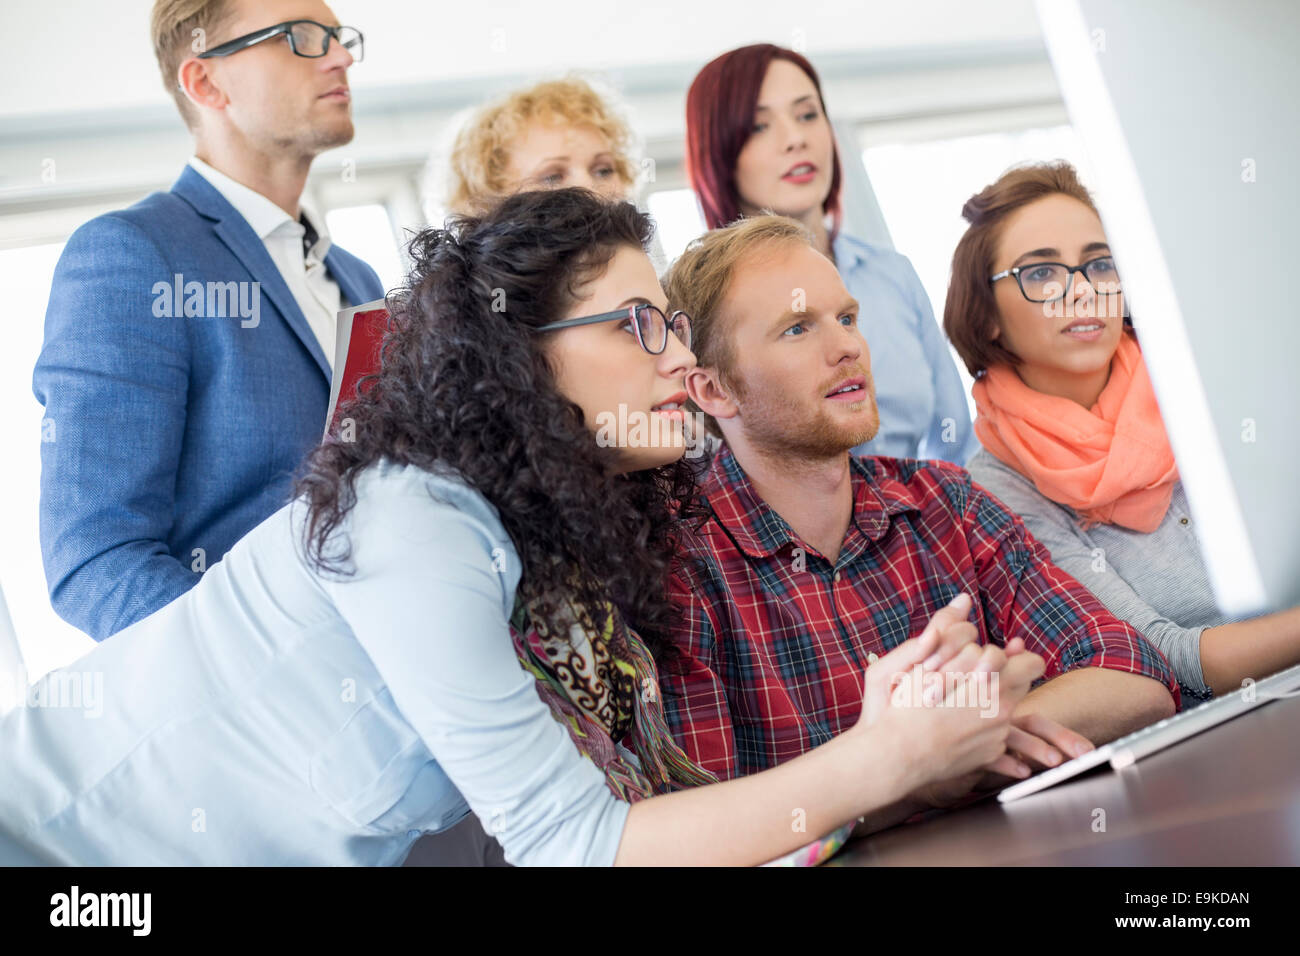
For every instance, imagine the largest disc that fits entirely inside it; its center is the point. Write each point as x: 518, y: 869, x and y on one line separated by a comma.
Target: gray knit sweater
x: 1157, y: 582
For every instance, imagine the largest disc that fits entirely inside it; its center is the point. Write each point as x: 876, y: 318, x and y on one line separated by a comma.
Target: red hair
x: 719, y: 120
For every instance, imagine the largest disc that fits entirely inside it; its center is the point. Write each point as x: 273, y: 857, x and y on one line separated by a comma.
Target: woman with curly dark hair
x: 451, y: 615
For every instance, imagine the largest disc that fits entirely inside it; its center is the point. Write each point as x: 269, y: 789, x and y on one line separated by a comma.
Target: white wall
x: 95, y: 54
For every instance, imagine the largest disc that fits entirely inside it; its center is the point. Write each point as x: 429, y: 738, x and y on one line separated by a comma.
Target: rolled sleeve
x: 1026, y: 595
x: 430, y: 602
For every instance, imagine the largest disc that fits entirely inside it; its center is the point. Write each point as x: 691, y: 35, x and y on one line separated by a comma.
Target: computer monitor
x: 1188, y: 113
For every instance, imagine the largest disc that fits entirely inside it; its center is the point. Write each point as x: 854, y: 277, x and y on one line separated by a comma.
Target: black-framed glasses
x: 649, y: 323
x: 1050, y: 281
x: 306, y: 38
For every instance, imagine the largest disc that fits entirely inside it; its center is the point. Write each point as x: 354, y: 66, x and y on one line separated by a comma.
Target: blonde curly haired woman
x: 557, y: 133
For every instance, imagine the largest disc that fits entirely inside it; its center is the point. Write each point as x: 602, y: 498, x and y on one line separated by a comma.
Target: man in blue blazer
x: 189, y: 339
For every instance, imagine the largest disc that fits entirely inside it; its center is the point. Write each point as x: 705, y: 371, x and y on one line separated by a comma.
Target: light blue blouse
x: 272, y: 715
x: 923, y: 410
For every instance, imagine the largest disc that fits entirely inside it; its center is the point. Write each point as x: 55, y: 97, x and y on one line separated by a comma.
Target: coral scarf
x: 1112, y: 463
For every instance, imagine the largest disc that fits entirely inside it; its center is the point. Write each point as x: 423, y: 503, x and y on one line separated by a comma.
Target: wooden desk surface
x: 1228, y: 797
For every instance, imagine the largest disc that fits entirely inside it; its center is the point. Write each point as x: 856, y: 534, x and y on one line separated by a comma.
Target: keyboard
x: 1128, y: 750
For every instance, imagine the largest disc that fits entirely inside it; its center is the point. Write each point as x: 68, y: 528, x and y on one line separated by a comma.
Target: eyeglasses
x: 306, y: 38
x: 1050, y: 281
x: 649, y: 323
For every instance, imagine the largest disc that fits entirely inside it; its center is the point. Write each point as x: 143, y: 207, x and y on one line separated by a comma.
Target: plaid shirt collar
x: 760, y: 532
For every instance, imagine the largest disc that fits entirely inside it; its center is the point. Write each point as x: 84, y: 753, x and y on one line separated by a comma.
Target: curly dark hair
x: 464, y: 385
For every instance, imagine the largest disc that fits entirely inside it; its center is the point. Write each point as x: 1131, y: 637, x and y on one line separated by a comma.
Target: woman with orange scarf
x: 1073, y: 438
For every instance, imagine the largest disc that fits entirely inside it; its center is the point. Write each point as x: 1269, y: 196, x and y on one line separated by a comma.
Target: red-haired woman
x: 758, y: 139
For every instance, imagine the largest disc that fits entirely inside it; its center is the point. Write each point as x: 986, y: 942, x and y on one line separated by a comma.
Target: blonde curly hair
x: 476, y: 172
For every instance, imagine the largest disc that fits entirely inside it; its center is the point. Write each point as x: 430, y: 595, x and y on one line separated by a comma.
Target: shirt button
x: 1182, y: 521
x: 837, y: 575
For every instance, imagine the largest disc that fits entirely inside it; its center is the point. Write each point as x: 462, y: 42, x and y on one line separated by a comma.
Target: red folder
x: 356, y: 353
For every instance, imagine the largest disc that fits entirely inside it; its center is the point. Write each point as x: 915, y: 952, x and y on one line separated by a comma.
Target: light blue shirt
x: 274, y: 715
x: 923, y: 410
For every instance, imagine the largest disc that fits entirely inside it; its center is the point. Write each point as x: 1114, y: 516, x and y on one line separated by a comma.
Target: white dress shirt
x: 309, y: 282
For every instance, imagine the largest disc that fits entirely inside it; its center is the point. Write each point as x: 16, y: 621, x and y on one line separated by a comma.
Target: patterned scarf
x: 603, y: 688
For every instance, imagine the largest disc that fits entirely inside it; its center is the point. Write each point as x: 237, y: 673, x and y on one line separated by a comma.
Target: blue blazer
x: 166, y: 438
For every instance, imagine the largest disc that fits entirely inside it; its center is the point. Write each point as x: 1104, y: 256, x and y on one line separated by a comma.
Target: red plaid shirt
x: 775, y: 638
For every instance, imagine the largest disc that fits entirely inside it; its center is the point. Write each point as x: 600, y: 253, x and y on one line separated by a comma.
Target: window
x: 677, y: 218
x: 367, y: 233
x: 921, y: 187
x: 46, y: 640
